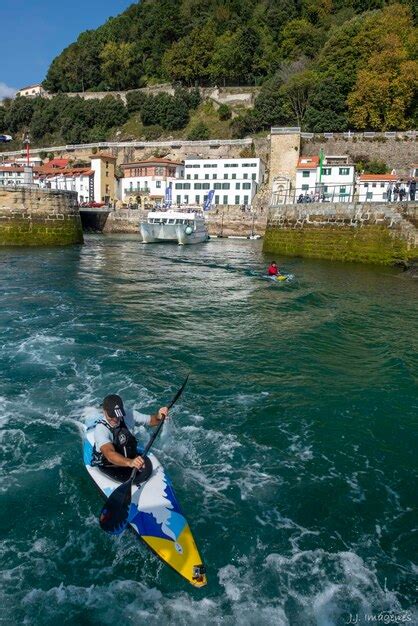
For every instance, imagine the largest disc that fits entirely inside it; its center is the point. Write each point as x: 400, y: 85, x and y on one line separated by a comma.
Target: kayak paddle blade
x: 114, y: 515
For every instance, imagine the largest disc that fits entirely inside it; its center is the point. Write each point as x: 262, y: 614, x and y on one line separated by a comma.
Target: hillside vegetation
x: 324, y: 65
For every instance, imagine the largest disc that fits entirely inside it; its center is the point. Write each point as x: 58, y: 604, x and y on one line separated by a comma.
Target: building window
x: 382, y: 184
x: 366, y: 184
x: 225, y: 201
x: 178, y: 199
x: 225, y: 175
x: 205, y: 186
x: 159, y: 171
x: 246, y: 185
x: 197, y: 199
x: 217, y: 186
x: 369, y: 195
x: 216, y: 199
x: 186, y: 185
x: 214, y: 176
x: 233, y: 175
x: 178, y: 186
x: 385, y: 195
x: 225, y: 185
x: 373, y: 184
x: 188, y: 176
x: 253, y: 176
x: 236, y: 199
x: 306, y: 173
x: 305, y: 187
x: 158, y: 184
x: 196, y: 176
x: 326, y: 171
x: 245, y: 199
x: 206, y: 176
x: 344, y: 171
x: 342, y: 190
x: 198, y: 185
x: 245, y: 176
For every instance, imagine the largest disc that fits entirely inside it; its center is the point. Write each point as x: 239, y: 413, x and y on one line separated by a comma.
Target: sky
x: 33, y: 32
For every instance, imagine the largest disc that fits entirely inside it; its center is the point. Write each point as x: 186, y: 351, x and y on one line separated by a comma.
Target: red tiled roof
x: 57, y: 163
x: 68, y: 172
x: 377, y: 177
x: 14, y: 168
x: 308, y: 163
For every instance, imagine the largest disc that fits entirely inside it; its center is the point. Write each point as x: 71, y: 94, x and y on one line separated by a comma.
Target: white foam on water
x: 327, y: 585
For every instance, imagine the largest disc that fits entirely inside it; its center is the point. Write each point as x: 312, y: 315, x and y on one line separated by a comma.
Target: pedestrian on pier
x: 412, y: 189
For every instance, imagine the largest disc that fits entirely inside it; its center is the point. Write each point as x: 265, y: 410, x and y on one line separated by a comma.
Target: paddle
x: 114, y: 515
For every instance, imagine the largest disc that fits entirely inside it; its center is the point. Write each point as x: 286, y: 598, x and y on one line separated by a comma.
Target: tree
x: 135, y: 100
x: 224, y: 112
x: 20, y: 113
x: 110, y: 112
x: 300, y: 37
x: 116, y: 62
x: 188, y: 60
x: 386, y: 84
x: 327, y: 109
x: 199, y: 132
x: 297, y: 92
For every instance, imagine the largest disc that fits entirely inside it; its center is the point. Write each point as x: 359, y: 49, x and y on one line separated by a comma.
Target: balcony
x: 136, y: 191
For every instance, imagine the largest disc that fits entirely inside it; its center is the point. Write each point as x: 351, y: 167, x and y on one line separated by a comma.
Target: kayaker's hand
x: 162, y: 412
x: 138, y: 462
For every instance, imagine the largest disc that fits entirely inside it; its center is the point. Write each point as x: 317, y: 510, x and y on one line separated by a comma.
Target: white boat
x: 185, y: 226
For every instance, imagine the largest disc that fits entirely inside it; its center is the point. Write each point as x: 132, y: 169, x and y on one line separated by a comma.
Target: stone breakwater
x: 38, y: 217
x: 370, y: 233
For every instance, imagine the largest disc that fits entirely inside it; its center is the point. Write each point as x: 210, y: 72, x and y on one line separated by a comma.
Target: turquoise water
x: 293, y: 449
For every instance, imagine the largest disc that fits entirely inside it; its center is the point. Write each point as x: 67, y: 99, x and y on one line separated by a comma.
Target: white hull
x: 184, y: 226
x: 154, y: 233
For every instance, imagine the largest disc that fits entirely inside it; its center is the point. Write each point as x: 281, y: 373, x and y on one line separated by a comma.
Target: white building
x: 374, y: 187
x: 11, y: 175
x: 32, y: 91
x: 80, y: 180
x: 234, y: 181
x: 35, y: 161
x: 335, y: 183
x: 148, y: 180
x: 92, y: 183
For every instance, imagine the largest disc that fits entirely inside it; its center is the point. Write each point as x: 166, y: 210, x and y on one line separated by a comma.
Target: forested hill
x: 324, y: 65
x: 238, y: 42
x: 333, y: 62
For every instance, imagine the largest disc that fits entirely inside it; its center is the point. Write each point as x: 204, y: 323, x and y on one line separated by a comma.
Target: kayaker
x: 273, y: 270
x: 114, y: 442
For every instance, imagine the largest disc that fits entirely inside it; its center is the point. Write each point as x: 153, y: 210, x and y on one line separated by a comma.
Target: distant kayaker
x: 273, y: 270
x: 114, y: 442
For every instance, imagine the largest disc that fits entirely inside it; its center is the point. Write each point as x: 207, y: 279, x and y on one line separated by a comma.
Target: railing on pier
x: 367, y: 191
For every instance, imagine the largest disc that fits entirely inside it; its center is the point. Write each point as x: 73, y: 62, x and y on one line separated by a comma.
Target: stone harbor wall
x: 367, y: 232
x: 39, y: 217
x: 222, y: 221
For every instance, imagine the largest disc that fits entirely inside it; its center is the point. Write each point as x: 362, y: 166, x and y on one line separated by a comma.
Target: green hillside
x: 324, y: 65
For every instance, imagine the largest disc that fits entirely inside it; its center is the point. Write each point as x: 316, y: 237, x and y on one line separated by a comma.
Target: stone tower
x: 284, y: 157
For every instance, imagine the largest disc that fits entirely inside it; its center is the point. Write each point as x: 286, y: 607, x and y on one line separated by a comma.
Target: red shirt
x: 273, y: 270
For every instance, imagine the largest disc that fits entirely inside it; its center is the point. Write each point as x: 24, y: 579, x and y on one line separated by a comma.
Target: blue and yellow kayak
x: 281, y: 278
x: 155, y: 515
